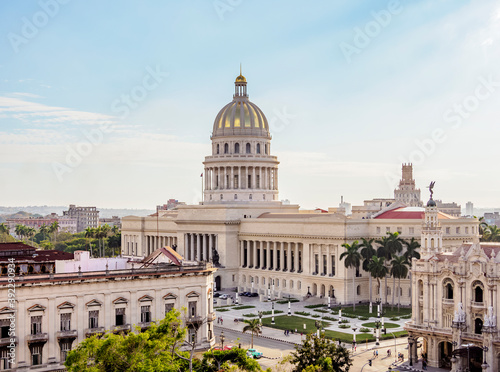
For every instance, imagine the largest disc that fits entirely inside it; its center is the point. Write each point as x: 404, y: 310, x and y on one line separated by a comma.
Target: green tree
x: 225, y: 360
x: 352, y: 260
x: 44, y: 231
x: 411, y: 252
x: 53, y: 228
x: 322, y: 354
x: 367, y: 252
x: 155, y: 349
x: 4, y: 231
x: 389, y: 245
x: 253, y: 326
x: 399, y: 269
x: 491, y: 233
x: 378, y: 270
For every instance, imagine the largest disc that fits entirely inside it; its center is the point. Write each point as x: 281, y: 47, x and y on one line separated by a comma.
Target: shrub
x: 302, y: 313
x: 316, y: 316
x: 344, y: 326
x: 321, y: 311
x: 243, y: 307
x: 314, y: 306
x: 363, y: 318
x: 349, y: 316
x: 345, y: 321
x: 394, y: 319
x: 286, y: 301
x: 269, y: 312
x: 365, y: 330
x: 250, y: 315
x: 222, y: 310
x: 330, y: 318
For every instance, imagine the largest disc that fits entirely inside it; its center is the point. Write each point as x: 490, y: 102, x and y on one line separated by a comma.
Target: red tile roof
x: 409, y: 213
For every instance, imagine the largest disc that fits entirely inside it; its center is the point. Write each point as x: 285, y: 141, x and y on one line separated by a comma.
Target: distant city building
x: 406, y: 192
x: 344, y: 206
x: 453, y: 209
x: 171, y: 204
x: 113, y: 221
x: 66, y: 224
x: 469, y: 209
x: 492, y: 218
x: 54, y: 312
x: 85, y: 216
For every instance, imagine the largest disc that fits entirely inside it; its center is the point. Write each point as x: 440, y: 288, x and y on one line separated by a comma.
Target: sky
x: 112, y: 103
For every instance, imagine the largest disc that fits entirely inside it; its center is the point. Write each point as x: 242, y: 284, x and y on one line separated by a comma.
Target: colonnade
x: 154, y: 242
x: 241, y: 177
x: 270, y: 255
x: 323, y: 259
x: 130, y: 244
x: 199, y: 247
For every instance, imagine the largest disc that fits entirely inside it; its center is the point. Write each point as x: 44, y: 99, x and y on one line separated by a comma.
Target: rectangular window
x: 378, y: 229
x: 412, y: 230
x: 94, y: 319
x: 388, y: 229
x: 4, y: 359
x: 249, y: 181
x: 192, y: 308
x: 65, y: 346
x: 235, y: 182
x: 36, y: 355
x: 447, y: 231
x: 466, y: 230
x: 333, y: 265
x: 233, y: 277
x: 400, y: 230
x: 4, y: 328
x: 257, y: 181
x: 145, y: 314
x: 66, y: 322
x: 324, y: 265
x: 120, y: 316
x: 36, y: 325
x: 168, y: 307
x: 458, y: 230
x: 316, y: 264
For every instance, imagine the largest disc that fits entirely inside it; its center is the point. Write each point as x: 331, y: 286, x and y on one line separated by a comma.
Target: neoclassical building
x: 455, y: 302
x: 261, y: 243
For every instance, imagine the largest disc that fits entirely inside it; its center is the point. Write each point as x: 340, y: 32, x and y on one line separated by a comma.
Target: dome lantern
x: 240, y: 86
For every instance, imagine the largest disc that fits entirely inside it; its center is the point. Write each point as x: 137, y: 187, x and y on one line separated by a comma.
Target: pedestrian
x: 221, y: 322
x: 218, y: 320
x: 424, y: 364
x: 376, y: 355
x: 284, y: 332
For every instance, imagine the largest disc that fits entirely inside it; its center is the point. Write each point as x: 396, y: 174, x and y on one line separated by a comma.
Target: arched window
x: 265, y: 148
x: 250, y: 196
x: 263, y: 281
x: 448, y: 289
x: 478, y: 326
x: 217, y: 149
x: 244, y: 279
x: 277, y: 282
x: 291, y: 284
x: 237, y: 148
x: 478, y: 294
x: 284, y: 283
x: 248, y: 148
x: 226, y: 148
x: 235, y: 196
x: 258, y: 148
x: 358, y: 290
x: 221, y: 196
x: 388, y: 291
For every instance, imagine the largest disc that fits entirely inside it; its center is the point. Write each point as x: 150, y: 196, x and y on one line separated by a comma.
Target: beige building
x: 261, y: 243
x: 53, y: 312
x: 85, y: 216
x: 455, y: 302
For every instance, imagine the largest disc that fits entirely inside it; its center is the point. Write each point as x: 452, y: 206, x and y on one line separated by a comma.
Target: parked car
x: 216, y: 294
x: 255, y: 294
x: 224, y: 297
x: 253, y: 353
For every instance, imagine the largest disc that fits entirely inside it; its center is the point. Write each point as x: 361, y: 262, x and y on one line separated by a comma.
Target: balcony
x: 67, y: 334
x: 196, y: 319
x: 144, y: 325
x: 6, y: 340
x: 479, y: 305
x: 93, y: 331
x: 448, y: 301
x: 211, y: 317
x: 121, y: 328
x: 39, y: 337
x: 472, y: 336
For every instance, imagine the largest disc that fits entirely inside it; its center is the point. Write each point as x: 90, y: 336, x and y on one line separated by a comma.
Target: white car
x: 224, y: 297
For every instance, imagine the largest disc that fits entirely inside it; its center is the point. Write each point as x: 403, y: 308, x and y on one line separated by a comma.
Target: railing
x: 38, y: 337
x: 67, y: 334
x: 471, y: 335
x: 144, y: 325
x: 448, y: 301
x: 91, y: 331
x: 194, y: 319
x: 477, y: 304
x: 121, y: 328
x: 7, y: 340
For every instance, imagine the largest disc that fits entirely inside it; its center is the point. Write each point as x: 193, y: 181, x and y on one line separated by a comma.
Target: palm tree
x: 103, y: 234
x: 20, y: 231
x: 44, y: 230
x: 378, y: 270
x: 399, y: 269
x: 367, y: 252
x: 492, y: 233
x: 389, y: 245
x: 89, y: 234
x: 253, y: 325
x: 482, y: 225
x: 30, y: 233
x: 410, y: 253
x: 115, y: 229
x: 352, y: 260
x: 54, y: 227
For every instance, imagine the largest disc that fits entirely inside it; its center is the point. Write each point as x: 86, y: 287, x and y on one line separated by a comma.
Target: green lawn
x: 362, y: 310
x: 386, y: 325
x: 297, y: 322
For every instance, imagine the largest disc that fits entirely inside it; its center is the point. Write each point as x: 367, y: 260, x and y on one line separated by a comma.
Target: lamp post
x: 260, y: 317
x: 377, y: 331
x: 237, y: 302
x: 289, y: 306
x: 340, y: 315
x: 354, y: 329
x: 222, y: 338
x: 484, y: 365
x: 272, y: 311
x: 329, y: 299
x: 308, y: 291
x: 395, y: 351
x: 453, y: 358
x: 252, y: 284
x: 269, y: 291
x: 274, y: 296
x: 317, y: 323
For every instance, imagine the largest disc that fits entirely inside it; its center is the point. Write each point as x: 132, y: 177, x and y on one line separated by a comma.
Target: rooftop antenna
x: 240, y: 68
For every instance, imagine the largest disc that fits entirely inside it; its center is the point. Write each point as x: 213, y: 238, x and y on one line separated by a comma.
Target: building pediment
x: 169, y: 296
x: 120, y: 300
x: 36, y: 307
x: 94, y: 303
x: 193, y: 294
x: 66, y: 305
x: 146, y: 298
x: 6, y: 310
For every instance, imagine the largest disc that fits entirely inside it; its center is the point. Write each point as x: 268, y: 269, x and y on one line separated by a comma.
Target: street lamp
x: 252, y: 284
x: 329, y: 305
x: 308, y: 291
x: 289, y: 307
x: 272, y: 311
x: 377, y: 331
x: 269, y: 291
x: 484, y: 365
x: 317, y: 323
x: 237, y: 302
x: 410, y: 350
x: 354, y: 329
x: 340, y: 314
x: 222, y: 338
x: 260, y: 317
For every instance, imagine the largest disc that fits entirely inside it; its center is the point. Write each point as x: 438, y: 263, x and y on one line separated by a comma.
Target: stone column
x: 289, y: 257
x: 276, y: 170
x: 254, y: 253
x: 260, y: 178
x: 275, y: 255
x: 186, y: 246
x: 268, y: 255
x: 306, y: 258
x: 253, y: 178
x: 191, y: 246
x: 232, y: 178
x: 242, y: 253
x: 265, y: 178
x: 282, y: 256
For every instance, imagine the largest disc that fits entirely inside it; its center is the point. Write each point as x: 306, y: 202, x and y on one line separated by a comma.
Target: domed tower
x: 241, y: 168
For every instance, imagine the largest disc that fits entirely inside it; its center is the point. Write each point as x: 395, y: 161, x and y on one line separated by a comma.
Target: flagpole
x: 202, y: 198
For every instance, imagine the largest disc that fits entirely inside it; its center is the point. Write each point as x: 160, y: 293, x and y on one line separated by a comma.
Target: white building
x: 254, y: 238
x: 85, y: 216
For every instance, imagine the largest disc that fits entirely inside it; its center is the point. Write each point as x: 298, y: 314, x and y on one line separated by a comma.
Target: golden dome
x: 241, y: 117
x: 241, y: 79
